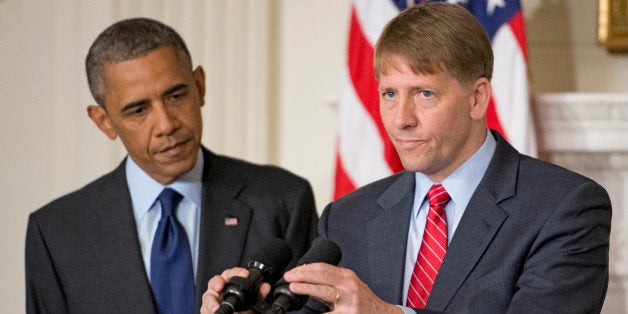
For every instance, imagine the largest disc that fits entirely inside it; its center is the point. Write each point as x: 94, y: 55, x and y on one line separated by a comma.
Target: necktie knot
x: 438, y: 196
x: 169, y: 200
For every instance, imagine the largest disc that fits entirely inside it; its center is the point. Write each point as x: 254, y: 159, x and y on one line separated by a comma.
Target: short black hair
x: 126, y: 40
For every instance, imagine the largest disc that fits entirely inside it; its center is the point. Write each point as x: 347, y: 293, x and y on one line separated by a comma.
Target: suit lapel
x: 387, y: 236
x: 480, y: 222
x: 111, y: 233
x: 477, y: 228
x: 225, y: 221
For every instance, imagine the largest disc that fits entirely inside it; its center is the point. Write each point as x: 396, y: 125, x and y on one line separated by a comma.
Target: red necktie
x: 433, y: 248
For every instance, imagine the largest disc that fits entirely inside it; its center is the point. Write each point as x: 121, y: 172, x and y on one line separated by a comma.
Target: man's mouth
x: 173, y: 149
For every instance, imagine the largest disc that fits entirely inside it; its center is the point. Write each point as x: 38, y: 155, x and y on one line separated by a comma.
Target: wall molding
x: 588, y: 133
x: 583, y: 122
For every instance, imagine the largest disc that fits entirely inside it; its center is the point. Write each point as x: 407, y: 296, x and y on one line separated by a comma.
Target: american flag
x: 364, y: 152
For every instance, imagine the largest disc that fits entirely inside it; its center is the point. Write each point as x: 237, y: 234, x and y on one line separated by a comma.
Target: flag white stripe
x: 373, y: 16
x: 360, y: 145
x: 510, y: 91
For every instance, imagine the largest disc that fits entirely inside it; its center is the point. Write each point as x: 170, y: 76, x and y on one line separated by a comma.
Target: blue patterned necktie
x: 171, y: 274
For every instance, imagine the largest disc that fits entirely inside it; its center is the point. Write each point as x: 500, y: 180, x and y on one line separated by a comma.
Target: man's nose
x: 405, y: 114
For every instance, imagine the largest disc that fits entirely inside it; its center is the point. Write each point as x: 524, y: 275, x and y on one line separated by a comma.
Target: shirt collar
x: 144, y: 189
x: 461, y: 183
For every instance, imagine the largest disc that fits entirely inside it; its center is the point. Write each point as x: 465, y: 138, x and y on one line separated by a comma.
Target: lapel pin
x: 231, y: 221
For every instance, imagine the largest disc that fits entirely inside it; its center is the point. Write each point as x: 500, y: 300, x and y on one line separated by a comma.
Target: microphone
x: 266, y: 265
x: 324, y: 251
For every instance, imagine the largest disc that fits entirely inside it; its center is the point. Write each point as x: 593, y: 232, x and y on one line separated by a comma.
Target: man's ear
x: 480, y: 98
x: 199, y: 81
x: 99, y: 116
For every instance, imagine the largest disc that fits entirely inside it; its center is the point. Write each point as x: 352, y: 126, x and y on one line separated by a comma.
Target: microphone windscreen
x: 272, y: 258
x: 324, y: 251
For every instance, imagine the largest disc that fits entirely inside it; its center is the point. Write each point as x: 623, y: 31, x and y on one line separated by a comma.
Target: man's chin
x: 413, y: 165
x: 171, y: 171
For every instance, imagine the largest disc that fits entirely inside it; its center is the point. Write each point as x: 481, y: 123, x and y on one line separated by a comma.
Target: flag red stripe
x: 492, y: 120
x: 344, y: 184
x: 362, y: 74
x: 516, y: 25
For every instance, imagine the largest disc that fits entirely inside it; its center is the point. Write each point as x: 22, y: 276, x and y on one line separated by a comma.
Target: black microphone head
x: 324, y: 251
x: 272, y: 259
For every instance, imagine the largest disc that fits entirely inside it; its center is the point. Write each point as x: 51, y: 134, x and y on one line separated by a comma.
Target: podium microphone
x: 324, y: 251
x: 267, y: 265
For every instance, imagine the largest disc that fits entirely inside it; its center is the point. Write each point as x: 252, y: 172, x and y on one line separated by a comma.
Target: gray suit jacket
x: 534, y: 238
x: 83, y: 253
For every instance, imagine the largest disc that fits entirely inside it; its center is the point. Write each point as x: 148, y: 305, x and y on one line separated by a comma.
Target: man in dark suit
x: 471, y: 226
x: 96, y: 250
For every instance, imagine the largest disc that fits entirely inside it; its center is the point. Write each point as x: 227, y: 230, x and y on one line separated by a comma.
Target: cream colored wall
x: 563, y: 52
x: 273, y: 70
x: 42, y: 94
x: 313, y: 43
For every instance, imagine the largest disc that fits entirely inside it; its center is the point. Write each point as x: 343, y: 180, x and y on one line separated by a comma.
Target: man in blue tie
x: 147, y: 237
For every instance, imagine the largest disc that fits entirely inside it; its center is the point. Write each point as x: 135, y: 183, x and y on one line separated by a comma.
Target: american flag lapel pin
x: 231, y: 221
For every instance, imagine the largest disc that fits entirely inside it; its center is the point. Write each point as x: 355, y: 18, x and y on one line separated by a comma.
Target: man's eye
x: 389, y: 94
x: 177, y: 96
x: 136, y: 111
x: 426, y: 93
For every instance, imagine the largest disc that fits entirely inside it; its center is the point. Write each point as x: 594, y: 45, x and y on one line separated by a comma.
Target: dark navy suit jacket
x: 83, y: 253
x: 534, y: 238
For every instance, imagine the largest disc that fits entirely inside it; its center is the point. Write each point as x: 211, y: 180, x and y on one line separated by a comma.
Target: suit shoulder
x: 75, y: 203
x: 541, y: 180
x: 373, y: 190
x: 536, y: 169
x: 261, y: 176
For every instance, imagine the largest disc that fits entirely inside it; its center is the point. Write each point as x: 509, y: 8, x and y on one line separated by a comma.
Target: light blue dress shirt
x: 147, y: 210
x: 460, y: 185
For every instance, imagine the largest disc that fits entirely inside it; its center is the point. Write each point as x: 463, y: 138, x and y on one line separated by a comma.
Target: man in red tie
x: 471, y: 225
